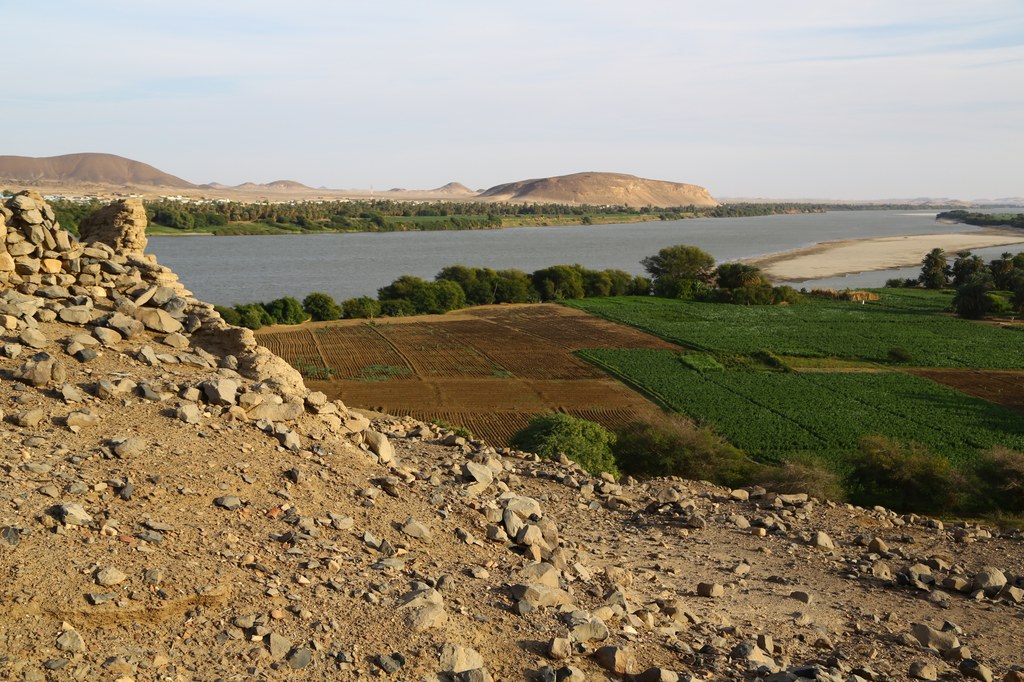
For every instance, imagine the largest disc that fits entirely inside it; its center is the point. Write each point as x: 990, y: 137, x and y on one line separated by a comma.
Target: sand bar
x: 849, y: 256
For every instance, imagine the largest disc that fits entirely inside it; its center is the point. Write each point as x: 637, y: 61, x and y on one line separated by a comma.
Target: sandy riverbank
x: 848, y: 256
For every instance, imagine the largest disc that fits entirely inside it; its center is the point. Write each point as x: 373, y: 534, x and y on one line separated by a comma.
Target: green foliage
x: 286, y: 310
x: 902, y: 477
x: 362, y: 307
x: 823, y: 328
x: 585, y: 442
x: 310, y: 368
x: 983, y: 219
x: 1001, y: 474
x: 673, y: 447
x: 459, y: 431
x: 70, y: 213
x: 935, y: 270
x: 558, y: 282
x: 253, y: 315
x: 974, y: 300
x: 229, y: 315
x: 702, y: 362
x: 679, y: 271
x: 382, y: 372
x: 900, y: 355
x: 398, y: 307
x: 771, y: 415
x: 739, y: 275
x: 967, y: 268
x: 321, y: 307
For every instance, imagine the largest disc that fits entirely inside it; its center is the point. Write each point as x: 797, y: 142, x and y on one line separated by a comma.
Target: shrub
x: 802, y: 473
x: 286, y: 310
x: 321, y: 306
x: 229, y: 315
x: 902, y: 477
x: 362, y: 307
x: 680, y: 271
x: 253, y: 315
x: 398, y: 307
x: 674, y: 447
x: 585, y: 442
x: 1001, y: 472
x: 899, y: 354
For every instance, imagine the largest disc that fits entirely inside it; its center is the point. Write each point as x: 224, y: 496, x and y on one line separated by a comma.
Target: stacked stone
x: 39, y: 259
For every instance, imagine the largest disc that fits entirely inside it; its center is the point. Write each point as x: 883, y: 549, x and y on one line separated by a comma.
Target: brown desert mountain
x: 79, y: 169
x: 602, y: 189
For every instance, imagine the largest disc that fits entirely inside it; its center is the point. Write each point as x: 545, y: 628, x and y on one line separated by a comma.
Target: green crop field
x: 903, y: 319
x: 773, y: 414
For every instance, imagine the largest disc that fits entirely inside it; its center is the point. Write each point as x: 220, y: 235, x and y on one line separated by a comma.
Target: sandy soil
x: 847, y: 256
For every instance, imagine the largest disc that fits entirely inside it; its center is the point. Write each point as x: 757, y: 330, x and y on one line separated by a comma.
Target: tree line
x: 982, y: 289
x: 983, y: 219
x: 681, y: 272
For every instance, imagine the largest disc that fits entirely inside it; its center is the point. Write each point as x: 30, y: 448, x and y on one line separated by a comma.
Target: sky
x: 844, y: 99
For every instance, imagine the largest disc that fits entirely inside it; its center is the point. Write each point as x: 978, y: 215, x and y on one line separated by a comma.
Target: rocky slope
x: 85, y: 169
x: 176, y: 506
x: 617, y: 189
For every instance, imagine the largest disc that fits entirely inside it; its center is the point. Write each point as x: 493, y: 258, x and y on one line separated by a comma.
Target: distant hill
x: 602, y: 189
x: 70, y: 169
x: 455, y: 189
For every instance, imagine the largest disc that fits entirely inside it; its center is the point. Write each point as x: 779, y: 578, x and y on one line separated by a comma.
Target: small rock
x: 229, y: 502
x: 300, y: 658
x: 71, y: 642
x: 712, y: 590
x: 923, y: 670
x: 73, y: 514
x: 457, y: 658
x: 822, y: 540
x: 109, y: 576
x: 974, y: 670
x: 618, y: 660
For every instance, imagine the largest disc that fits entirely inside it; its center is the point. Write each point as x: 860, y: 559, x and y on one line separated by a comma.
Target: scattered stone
x: 300, y: 658
x: 415, y: 529
x: 619, y: 660
x: 711, y: 590
x: 822, y: 540
x: 71, y: 642
x: 974, y: 670
x: 923, y: 670
x: 73, y: 514
x: 457, y: 658
x: 229, y: 502
x: 934, y: 639
x: 278, y: 646
x: 379, y: 445
x: 109, y: 576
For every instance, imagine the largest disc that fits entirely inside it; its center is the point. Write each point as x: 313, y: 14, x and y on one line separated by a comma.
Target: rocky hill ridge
x: 616, y: 189
x: 177, y: 506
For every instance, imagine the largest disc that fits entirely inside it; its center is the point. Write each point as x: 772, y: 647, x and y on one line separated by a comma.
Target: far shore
x: 851, y: 256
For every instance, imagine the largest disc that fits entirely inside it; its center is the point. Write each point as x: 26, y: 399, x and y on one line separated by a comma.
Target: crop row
x: 851, y: 330
x: 772, y: 414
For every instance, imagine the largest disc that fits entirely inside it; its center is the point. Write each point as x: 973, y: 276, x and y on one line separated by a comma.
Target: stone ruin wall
x: 47, y: 273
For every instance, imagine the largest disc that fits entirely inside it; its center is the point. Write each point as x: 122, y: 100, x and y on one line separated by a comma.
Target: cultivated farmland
x: 487, y: 369
x: 771, y: 414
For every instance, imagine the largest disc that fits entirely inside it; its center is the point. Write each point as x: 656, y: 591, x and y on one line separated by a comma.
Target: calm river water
x: 232, y: 270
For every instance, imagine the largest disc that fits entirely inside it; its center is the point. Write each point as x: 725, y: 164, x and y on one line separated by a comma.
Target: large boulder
x: 121, y: 225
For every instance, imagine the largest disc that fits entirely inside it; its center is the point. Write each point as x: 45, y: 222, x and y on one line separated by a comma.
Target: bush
x: 899, y: 354
x: 585, y: 442
x: 229, y: 315
x: 362, y: 307
x: 802, y: 474
x: 321, y: 307
x: 903, y: 477
x: 286, y: 310
x: 253, y: 315
x: 674, y: 447
x: 1001, y: 472
x: 398, y: 307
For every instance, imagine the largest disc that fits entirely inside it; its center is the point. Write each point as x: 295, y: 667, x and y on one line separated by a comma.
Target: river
x: 232, y: 270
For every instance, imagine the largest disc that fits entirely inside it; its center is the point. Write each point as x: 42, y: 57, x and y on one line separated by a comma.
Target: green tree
x: 446, y: 296
x: 397, y: 307
x: 596, y: 283
x: 680, y: 271
x: 514, y: 286
x: 229, y: 315
x: 966, y: 267
x: 253, y: 315
x: 321, y: 306
x: 585, y: 442
x: 558, y: 282
x: 935, y: 270
x: 362, y: 307
x: 286, y: 310
x: 974, y: 299
x: 739, y: 275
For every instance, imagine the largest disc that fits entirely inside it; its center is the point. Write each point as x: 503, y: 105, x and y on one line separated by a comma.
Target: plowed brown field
x: 998, y: 386
x: 488, y: 369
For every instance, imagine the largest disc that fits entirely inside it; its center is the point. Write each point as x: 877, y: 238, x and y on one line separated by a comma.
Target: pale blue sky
x: 846, y: 99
